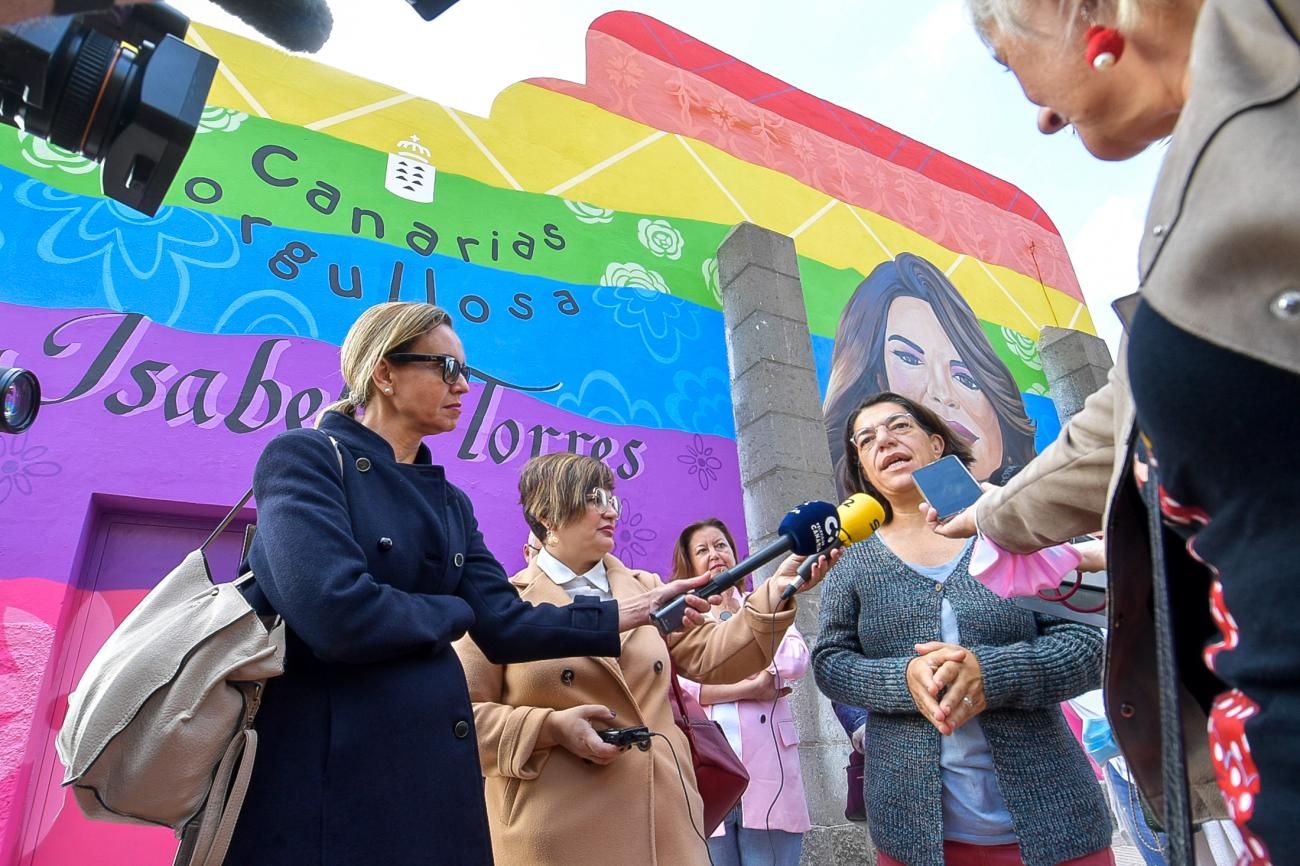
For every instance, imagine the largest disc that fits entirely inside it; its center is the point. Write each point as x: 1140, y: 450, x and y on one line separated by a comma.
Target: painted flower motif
x: 701, y: 402
x: 663, y: 321
x: 20, y: 462
x: 802, y: 147
x: 623, y: 71
x: 632, y: 535
x: 709, y: 268
x: 721, y: 114
x: 589, y: 213
x: 602, y: 397
x: 218, y: 119
x: 1022, y: 347
x: 660, y: 238
x: 142, y: 262
x: 700, y: 462
x: 633, y: 275
x: 767, y: 128
x: 42, y: 154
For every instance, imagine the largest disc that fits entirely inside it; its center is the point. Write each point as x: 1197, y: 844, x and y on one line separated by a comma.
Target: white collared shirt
x: 594, y: 582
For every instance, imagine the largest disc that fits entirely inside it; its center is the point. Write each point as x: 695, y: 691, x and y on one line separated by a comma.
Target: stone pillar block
x: 1075, y: 365
x: 785, y: 460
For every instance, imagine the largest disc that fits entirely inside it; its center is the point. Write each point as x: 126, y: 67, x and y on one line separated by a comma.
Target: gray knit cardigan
x: 874, y: 609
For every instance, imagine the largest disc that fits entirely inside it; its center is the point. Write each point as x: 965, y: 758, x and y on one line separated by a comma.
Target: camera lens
x: 20, y: 396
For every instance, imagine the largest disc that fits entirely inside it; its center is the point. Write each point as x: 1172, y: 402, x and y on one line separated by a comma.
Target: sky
x: 916, y: 66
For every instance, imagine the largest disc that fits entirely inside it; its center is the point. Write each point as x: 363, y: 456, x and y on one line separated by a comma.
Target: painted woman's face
x: 922, y: 363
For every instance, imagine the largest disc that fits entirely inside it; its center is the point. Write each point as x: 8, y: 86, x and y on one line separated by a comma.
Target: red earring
x: 1105, y: 46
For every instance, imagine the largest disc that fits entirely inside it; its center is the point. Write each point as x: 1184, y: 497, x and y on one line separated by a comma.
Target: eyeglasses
x: 604, y: 500
x: 452, y: 368
x: 898, y: 424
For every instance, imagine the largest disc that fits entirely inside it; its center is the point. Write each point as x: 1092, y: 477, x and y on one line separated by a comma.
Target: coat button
x: 458, y: 560
x: 1286, y: 306
x: 659, y: 666
x: 461, y: 730
x: 1159, y: 230
x: 363, y: 464
x: 938, y: 587
x: 385, y: 543
x: 1127, y: 711
x: 566, y: 676
x: 762, y: 719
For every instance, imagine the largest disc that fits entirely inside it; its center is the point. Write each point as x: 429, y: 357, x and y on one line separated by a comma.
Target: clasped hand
x: 947, y: 685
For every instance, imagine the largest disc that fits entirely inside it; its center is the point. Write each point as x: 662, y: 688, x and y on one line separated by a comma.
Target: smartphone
x: 947, y: 486
x: 638, y: 736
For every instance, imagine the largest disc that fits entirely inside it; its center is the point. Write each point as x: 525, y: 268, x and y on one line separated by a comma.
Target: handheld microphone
x: 805, y: 530
x: 860, y: 516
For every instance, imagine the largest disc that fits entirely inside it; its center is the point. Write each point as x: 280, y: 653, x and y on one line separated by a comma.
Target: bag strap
x: 216, y: 826
x: 1173, y: 753
x: 243, y: 500
x: 675, y: 692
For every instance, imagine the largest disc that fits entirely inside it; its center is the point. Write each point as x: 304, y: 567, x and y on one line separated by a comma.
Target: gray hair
x: 1008, y: 16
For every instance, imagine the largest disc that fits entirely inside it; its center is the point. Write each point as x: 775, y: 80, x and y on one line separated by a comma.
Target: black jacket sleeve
x: 509, y: 630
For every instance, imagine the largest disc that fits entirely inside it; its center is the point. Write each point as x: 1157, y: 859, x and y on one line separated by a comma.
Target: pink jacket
x: 759, y: 750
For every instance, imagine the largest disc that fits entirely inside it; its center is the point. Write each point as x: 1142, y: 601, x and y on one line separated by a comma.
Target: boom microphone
x: 805, y: 530
x: 860, y: 516
x: 298, y: 25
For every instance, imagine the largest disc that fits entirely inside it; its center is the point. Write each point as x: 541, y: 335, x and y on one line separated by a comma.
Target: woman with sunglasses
x: 376, y: 564
x: 557, y: 793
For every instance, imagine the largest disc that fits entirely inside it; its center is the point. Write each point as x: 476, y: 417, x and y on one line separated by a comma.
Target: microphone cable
x: 771, y: 718
x: 681, y: 777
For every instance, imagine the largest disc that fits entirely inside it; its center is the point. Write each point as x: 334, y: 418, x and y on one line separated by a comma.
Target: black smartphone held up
x: 948, y: 486
x: 621, y: 737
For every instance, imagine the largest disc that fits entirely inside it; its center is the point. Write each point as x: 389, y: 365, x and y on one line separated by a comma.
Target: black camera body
x: 119, y: 87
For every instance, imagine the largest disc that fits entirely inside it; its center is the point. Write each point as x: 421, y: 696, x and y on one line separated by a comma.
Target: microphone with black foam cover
x: 860, y: 516
x: 299, y: 25
x: 805, y: 530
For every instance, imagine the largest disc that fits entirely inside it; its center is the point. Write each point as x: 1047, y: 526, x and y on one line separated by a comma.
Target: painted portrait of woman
x: 908, y: 330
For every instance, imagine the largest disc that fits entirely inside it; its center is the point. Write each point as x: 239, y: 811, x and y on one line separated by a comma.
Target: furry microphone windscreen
x: 299, y: 25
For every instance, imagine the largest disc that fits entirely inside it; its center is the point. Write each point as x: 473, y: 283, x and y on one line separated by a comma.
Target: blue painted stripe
x: 624, y: 354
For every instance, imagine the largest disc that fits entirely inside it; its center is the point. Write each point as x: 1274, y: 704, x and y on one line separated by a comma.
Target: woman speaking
x: 968, y: 757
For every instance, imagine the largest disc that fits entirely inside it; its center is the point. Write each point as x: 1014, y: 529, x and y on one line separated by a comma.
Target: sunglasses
x: 452, y: 368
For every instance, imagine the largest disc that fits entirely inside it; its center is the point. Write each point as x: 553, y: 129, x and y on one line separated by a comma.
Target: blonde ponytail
x: 380, y: 330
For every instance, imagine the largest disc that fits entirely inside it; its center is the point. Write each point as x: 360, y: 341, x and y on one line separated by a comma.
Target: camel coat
x: 547, y: 806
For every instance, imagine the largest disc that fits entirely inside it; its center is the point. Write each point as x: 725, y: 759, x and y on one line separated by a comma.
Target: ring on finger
x: 966, y: 699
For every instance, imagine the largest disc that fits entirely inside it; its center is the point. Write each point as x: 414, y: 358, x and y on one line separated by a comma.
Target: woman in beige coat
x: 556, y: 793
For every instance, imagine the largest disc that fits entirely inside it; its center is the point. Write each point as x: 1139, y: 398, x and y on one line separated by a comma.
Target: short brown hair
x: 682, y: 549
x: 854, y: 480
x: 553, y: 488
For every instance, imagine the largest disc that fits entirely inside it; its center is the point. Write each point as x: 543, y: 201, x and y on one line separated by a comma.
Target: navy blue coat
x: 367, y: 750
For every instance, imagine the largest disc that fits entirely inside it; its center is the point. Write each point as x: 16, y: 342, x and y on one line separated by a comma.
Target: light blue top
x: 973, y: 808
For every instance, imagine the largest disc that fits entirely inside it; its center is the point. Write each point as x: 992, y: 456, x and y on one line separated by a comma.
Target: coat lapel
x: 536, y: 588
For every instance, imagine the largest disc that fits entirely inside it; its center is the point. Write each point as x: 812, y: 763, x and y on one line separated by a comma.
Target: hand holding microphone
x: 813, y: 530
x: 859, y: 517
x: 805, y: 530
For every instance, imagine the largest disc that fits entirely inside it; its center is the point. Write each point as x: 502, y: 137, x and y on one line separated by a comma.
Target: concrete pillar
x: 1075, y: 365
x: 784, y: 460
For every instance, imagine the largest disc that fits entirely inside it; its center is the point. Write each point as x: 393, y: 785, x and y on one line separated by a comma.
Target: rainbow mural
x: 573, y: 236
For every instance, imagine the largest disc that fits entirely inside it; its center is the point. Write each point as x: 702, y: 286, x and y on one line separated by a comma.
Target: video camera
x: 119, y: 87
